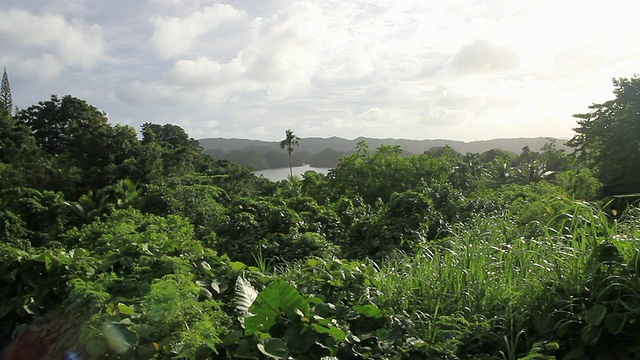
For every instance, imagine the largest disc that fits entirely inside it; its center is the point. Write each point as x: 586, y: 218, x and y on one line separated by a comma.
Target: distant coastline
x: 327, y: 152
x: 282, y: 173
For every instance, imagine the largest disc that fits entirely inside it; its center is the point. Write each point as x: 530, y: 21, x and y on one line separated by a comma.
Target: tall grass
x: 488, y: 275
x: 487, y: 270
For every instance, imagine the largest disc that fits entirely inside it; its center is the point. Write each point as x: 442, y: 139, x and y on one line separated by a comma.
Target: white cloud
x: 46, y: 65
x: 332, y: 67
x: 355, y: 68
x: 150, y: 93
x: 49, y: 43
x: 288, y: 49
x: 481, y: 56
x: 174, y: 36
x: 281, y: 60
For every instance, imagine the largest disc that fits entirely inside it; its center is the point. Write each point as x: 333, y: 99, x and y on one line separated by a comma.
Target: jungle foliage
x: 115, y: 246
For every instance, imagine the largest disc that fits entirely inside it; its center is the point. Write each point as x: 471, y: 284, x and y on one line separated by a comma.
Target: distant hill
x: 326, y: 152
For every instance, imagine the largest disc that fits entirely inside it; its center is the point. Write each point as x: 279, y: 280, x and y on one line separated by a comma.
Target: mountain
x: 326, y: 152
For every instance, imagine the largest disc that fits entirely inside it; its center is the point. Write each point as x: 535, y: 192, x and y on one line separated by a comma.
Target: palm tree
x: 289, y: 142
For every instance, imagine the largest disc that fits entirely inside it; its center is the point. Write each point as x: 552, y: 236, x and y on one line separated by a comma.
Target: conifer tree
x: 5, y: 94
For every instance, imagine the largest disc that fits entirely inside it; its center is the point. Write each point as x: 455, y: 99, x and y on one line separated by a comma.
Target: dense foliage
x: 115, y: 246
x: 608, y: 138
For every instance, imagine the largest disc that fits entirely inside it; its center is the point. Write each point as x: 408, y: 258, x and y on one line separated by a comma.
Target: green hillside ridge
x: 326, y: 152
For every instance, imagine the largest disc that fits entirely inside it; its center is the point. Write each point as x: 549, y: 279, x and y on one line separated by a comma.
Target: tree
x: 608, y: 139
x: 84, y: 152
x: 290, y: 141
x: 55, y: 123
x: 21, y: 161
x: 173, y: 150
x: 6, y: 102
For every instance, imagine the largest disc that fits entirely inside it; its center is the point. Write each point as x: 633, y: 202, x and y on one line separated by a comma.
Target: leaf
x: 277, y: 299
x: 382, y: 334
x: 47, y: 259
x: 126, y: 310
x: 245, y: 350
x: 27, y: 307
x: 96, y: 348
x: 313, y: 262
x: 369, y: 310
x: 110, y: 308
x: 590, y: 334
x: 336, y: 332
x: 206, y: 293
x: 615, y: 322
x: 236, y: 265
x: 215, y: 285
x: 299, y: 339
x: 245, y: 296
x: 119, y: 339
x: 274, y: 348
x: 126, y: 261
x: 595, y: 315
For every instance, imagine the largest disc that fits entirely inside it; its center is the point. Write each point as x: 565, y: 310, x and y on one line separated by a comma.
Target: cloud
x: 47, y: 44
x: 288, y: 48
x: 339, y: 67
x: 281, y: 59
x: 174, y: 36
x: 149, y: 93
x: 355, y: 68
x: 480, y: 56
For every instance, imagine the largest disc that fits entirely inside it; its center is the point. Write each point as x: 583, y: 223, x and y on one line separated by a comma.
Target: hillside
x: 325, y: 152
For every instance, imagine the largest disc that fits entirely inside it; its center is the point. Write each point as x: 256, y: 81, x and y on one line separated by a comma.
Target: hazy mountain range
x: 326, y: 152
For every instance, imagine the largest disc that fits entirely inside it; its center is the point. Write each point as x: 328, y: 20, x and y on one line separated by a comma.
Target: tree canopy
x: 608, y: 139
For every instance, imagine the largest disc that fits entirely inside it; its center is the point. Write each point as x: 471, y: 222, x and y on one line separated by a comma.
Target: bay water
x: 282, y: 173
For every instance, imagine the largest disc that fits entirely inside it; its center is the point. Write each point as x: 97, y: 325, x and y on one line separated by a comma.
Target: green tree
x: 55, y: 123
x: 169, y: 144
x: 6, y: 102
x: 21, y: 162
x: 290, y: 141
x: 378, y: 175
x: 554, y: 159
x: 84, y: 152
x: 608, y: 139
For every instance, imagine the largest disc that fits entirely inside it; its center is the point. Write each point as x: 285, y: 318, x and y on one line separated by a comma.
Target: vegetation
x: 290, y: 141
x: 607, y: 139
x: 6, y: 101
x: 115, y: 246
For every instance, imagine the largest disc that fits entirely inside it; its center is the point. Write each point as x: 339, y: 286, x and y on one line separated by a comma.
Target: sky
x: 413, y: 69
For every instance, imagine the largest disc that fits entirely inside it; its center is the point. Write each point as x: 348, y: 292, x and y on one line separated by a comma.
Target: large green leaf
x: 277, y: 299
x: 274, y: 348
x: 595, y: 315
x: 615, y: 322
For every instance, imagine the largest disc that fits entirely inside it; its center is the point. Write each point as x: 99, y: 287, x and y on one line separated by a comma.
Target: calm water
x: 283, y: 173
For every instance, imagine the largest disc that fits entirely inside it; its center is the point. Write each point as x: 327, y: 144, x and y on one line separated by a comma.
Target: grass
x: 488, y: 284
x: 520, y: 289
